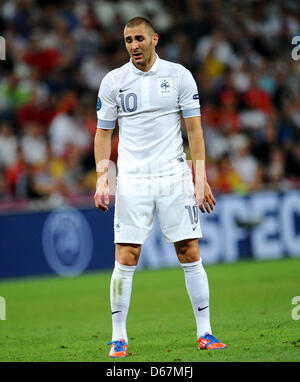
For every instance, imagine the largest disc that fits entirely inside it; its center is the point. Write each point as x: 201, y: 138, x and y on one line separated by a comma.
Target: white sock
x: 197, y: 286
x: 120, y: 293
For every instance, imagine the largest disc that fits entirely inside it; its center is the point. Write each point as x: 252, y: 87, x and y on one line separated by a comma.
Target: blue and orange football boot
x: 118, y: 349
x: 210, y: 342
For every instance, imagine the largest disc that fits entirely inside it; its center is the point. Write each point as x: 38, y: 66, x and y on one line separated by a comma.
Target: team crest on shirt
x: 164, y: 86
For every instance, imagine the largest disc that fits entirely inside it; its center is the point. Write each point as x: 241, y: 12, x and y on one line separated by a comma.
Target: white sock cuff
x: 189, y: 265
x: 126, y: 268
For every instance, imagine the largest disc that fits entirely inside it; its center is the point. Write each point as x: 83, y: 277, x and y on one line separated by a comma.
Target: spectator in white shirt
x: 34, y: 144
x: 8, y: 145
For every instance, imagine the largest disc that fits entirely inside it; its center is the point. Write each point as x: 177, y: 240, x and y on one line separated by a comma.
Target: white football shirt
x: 148, y: 106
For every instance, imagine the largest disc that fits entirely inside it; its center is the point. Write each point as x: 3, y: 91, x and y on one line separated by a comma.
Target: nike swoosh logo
x: 117, y: 311
x: 194, y: 228
x: 199, y: 309
x: 123, y: 90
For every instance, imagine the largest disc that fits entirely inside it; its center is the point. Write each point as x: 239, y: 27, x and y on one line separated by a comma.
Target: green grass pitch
x: 57, y: 319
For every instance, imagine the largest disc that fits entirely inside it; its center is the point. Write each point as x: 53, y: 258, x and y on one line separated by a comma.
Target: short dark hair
x: 140, y: 20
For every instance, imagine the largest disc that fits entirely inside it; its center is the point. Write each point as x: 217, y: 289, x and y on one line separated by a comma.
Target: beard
x: 147, y: 55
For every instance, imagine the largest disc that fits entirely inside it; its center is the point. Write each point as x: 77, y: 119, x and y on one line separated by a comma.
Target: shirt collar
x: 153, y: 68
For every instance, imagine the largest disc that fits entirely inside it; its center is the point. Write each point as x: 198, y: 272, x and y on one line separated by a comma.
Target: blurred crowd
x: 57, y: 53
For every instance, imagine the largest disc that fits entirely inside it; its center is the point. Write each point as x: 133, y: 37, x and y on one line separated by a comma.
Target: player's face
x: 140, y: 44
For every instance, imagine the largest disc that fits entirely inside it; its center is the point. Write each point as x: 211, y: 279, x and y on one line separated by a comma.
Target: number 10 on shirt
x: 128, y: 102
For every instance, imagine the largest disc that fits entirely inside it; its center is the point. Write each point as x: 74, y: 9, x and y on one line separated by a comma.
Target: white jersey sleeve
x: 188, y: 94
x: 107, y: 108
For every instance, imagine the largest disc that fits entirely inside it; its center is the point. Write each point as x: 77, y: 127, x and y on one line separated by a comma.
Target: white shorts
x: 171, y: 196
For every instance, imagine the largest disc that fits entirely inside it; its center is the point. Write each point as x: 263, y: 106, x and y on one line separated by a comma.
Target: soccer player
x: 148, y: 96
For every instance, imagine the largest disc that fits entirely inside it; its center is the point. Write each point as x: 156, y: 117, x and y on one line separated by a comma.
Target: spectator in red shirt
x: 256, y: 97
x: 42, y: 59
x: 36, y: 111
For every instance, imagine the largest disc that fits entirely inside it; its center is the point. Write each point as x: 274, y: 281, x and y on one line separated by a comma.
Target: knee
x: 187, y: 251
x: 128, y: 254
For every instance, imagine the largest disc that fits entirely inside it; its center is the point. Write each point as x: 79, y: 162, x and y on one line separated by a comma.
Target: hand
x: 102, y: 192
x: 205, y: 198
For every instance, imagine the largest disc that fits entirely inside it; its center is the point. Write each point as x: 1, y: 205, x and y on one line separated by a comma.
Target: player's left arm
x: 204, y: 196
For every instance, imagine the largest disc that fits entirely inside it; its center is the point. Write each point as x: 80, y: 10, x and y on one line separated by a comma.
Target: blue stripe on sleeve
x: 102, y: 124
x: 191, y: 112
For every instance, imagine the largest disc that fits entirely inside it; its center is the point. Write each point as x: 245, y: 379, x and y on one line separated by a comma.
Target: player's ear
x: 155, y: 38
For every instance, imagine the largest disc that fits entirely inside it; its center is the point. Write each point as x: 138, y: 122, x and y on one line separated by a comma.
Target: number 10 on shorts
x: 193, y: 213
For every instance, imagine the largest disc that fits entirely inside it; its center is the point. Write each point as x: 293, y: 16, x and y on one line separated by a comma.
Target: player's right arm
x: 106, y: 115
x: 102, y: 149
